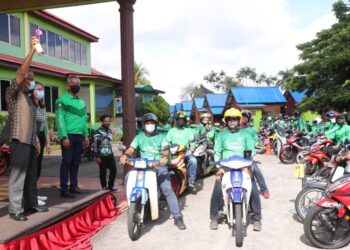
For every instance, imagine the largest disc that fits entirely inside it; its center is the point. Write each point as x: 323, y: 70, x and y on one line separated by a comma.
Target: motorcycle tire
x: 274, y: 147
x: 324, y: 172
x: 299, y: 201
x: 134, y: 225
x: 300, y: 156
x: 308, y: 226
x: 238, y: 228
x: 287, y: 155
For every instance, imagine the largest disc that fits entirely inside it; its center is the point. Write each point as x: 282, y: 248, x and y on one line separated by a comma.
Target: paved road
x: 281, y: 229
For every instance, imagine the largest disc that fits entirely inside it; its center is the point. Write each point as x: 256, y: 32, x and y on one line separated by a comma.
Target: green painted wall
x: 309, y: 116
x: 257, y: 117
x: 59, y: 62
x: 12, y: 50
x: 7, y: 73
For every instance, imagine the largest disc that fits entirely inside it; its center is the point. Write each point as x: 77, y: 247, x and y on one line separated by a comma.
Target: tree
x: 325, y: 71
x: 283, y: 76
x: 140, y: 73
x: 221, y: 81
x: 191, y: 91
x: 246, y: 73
x: 159, y: 107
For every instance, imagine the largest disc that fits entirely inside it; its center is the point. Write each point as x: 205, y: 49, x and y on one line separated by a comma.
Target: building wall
x: 291, y: 104
x: 309, y: 116
x: 276, y: 109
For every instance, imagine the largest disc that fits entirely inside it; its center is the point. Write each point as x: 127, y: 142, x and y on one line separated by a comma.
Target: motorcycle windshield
x: 236, y: 162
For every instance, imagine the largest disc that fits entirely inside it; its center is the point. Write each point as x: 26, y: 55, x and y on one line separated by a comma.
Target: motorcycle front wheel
x: 324, y: 229
x: 287, y: 155
x: 238, y: 228
x: 307, y: 198
x: 134, y: 224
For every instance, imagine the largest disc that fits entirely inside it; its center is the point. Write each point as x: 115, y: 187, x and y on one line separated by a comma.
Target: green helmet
x: 180, y: 115
x: 180, y: 119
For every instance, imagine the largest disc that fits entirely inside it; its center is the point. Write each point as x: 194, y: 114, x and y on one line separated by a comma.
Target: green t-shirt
x: 150, y: 147
x: 71, y: 116
x: 228, y: 144
x: 184, y: 136
x: 252, y: 132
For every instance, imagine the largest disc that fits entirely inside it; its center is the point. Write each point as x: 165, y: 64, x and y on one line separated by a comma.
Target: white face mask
x: 333, y: 120
x: 150, y: 128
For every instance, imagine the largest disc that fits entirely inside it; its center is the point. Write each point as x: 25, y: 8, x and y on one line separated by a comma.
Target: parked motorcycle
x: 236, y: 189
x: 142, y: 194
x: 327, y: 224
x: 178, y: 168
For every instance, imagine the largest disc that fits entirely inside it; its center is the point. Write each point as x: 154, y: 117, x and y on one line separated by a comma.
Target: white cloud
x: 181, y: 41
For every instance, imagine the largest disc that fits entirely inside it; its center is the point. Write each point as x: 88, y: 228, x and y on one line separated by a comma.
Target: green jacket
x: 103, y: 142
x: 339, y: 133
x: 228, y: 144
x: 253, y: 133
x: 315, y: 129
x: 71, y: 116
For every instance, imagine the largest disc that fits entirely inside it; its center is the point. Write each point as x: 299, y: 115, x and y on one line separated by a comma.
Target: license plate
x: 299, y: 171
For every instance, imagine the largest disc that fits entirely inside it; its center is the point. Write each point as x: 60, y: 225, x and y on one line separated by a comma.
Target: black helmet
x: 180, y: 119
x: 296, y: 113
x: 286, y: 117
x: 247, y: 113
x: 149, y: 117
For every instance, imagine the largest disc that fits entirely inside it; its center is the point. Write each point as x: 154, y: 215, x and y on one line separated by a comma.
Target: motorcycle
x: 178, y: 168
x: 236, y: 189
x: 142, y: 194
x: 202, y: 154
x: 297, y: 143
x: 327, y: 224
x: 4, y: 158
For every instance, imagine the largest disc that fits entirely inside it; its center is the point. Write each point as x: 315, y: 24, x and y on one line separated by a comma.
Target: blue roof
x: 251, y: 105
x: 251, y: 95
x: 297, y: 96
x: 216, y: 100
x: 199, y: 101
x: 187, y: 105
x: 171, y: 109
x: 217, y: 110
x: 178, y: 106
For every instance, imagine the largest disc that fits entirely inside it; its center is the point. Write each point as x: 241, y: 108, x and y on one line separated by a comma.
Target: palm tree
x: 140, y: 73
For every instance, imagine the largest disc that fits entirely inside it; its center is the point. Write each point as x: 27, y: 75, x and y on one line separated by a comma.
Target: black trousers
x: 42, y: 140
x: 108, y: 162
x: 23, y: 177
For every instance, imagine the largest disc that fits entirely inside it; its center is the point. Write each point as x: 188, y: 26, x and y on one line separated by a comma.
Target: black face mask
x: 75, y: 89
x: 105, y: 126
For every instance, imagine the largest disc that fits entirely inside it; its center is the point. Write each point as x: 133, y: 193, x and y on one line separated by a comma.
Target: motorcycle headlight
x: 140, y: 164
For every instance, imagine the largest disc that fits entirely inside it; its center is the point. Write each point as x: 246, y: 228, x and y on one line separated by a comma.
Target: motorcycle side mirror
x: 247, y: 154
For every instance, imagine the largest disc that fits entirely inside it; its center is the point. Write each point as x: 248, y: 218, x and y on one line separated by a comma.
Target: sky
x: 181, y: 41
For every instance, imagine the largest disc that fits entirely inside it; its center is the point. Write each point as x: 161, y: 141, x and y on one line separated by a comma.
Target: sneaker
x: 42, y: 198
x: 191, y: 184
x: 214, y: 224
x: 257, y: 225
x: 179, y: 223
x: 41, y: 203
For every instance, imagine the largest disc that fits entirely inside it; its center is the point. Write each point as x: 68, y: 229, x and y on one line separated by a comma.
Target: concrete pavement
x: 280, y: 227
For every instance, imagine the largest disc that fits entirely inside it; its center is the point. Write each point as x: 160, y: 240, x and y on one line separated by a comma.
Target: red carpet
x: 71, y: 233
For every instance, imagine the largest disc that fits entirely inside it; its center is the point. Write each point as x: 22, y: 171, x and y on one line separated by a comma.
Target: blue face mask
x: 39, y: 94
x: 31, y: 85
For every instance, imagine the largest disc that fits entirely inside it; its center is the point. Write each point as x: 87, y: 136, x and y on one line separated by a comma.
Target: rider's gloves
x: 266, y: 194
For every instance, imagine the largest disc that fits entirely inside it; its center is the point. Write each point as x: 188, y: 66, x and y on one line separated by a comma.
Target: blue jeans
x: 192, y: 162
x: 70, y: 162
x: 163, y: 177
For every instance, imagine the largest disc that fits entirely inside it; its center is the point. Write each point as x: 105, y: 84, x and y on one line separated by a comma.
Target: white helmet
x: 269, y: 118
x: 317, y: 120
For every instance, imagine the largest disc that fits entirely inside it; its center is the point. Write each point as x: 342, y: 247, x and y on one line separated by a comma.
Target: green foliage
x: 325, y: 70
x: 3, y: 119
x: 51, y: 122
x: 140, y: 75
x: 191, y: 91
x: 221, y: 81
x: 159, y: 107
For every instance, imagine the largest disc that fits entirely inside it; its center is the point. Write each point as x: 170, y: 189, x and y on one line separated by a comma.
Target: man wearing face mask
x: 71, y: 122
x: 183, y: 135
x: 152, y: 145
x: 230, y: 142
x: 104, y: 153
x: 23, y: 142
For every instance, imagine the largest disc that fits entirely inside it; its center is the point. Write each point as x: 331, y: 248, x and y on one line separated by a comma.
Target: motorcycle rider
x: 341, y: 131
x: 330, y: 120
x: 182, y: 135
x: 316, y: 127
x: 233, y: 141
x: 298, y: 122
x: 152, y: 145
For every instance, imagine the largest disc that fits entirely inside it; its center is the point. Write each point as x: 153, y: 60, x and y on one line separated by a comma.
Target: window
x: 32, y: 29
x: 103, y: 101
x: 71, y: 51
x: 10, y: 30
x: 4, y: 85
x: 43, y: 40
x: 51, y: 43
x: 51, y: 95
x: 77, y: 53
x: 83, y: 55
x: 58, y: 46
x: 65, y: 49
